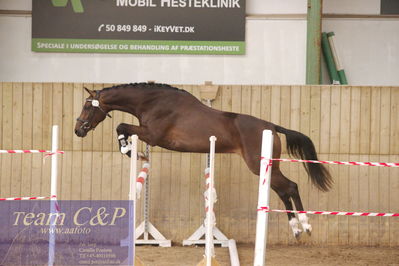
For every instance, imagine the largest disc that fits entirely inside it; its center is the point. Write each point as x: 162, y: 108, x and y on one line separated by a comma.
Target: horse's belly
x: 184, y: 145
x: 178, y: 141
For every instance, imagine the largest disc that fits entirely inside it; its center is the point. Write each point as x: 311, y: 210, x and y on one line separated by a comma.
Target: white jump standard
x: 208, y: 228
x: 53, y: 187
x: 146, y: 228
x: 263, y: 198
x: 263, y: 207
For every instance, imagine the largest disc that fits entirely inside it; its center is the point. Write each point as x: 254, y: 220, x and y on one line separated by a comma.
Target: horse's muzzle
x: 80, y: 133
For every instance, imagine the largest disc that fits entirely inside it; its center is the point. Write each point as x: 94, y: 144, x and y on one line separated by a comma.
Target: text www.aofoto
x: 66, y: 231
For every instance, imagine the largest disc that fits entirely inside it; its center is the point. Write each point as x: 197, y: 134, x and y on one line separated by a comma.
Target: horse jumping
x: 175, y: 120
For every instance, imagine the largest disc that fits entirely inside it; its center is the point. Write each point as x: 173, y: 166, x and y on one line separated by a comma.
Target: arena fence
x: 346, y: 123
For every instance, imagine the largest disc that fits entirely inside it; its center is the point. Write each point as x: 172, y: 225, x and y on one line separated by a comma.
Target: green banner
x: 137, y: 46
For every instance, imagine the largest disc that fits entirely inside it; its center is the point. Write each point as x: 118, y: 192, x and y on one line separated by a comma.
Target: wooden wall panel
x: 224, y: 193
x: 385, y: 120
x: 1, y: 115
x: 345, y: 123
x: 394, y: 199
x: 7, y: 136
x: 256, y: 110
x: 16, y: 177
x: 394, y: 144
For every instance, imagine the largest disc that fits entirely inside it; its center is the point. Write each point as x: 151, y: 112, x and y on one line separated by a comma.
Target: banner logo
x: 76, y: 5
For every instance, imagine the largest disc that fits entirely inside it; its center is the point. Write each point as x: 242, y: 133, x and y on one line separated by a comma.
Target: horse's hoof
x: 297, y: 235
x: 125, y: 149
x: 142, y: 157
x: 307, y: 228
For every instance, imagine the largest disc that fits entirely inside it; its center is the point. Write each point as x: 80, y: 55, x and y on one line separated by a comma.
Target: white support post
x: 146, y: 228
x: 132, y: 199
x: 263, y: 198
x: 210, y: 216
x: 146, y: 207
x: 53, y: 194
x: 208, y: 229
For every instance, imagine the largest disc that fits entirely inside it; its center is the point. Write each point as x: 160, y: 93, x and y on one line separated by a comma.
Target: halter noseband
x: 96, y: 104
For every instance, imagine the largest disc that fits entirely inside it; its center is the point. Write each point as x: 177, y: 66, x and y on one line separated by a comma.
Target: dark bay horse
x: 175, y: 120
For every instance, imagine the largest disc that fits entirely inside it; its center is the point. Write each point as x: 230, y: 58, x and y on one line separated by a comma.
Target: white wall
x: 352, y: 6
x: 274, y: 56
x: 276, y: 7
x: 368, y: 49
x: 16, y: 4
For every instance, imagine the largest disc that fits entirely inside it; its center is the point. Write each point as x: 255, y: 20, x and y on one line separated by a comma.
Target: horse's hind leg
x: 303, y: 218
x: 292, y: 220
x: 287, y: 190
x: 284, y: 187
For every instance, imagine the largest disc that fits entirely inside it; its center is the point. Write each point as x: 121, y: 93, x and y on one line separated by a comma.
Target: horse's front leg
x: 124, y: 131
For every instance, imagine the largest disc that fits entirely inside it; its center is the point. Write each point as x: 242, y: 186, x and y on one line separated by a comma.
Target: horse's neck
x: 127, y: 100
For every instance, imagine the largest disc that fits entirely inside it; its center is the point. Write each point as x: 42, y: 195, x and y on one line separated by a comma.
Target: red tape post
x: 269, y: 163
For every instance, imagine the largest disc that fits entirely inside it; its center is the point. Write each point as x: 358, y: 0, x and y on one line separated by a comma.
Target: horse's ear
x: 91, y: 92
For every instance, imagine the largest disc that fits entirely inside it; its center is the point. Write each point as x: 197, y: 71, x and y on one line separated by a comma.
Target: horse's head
x: 92, y: 114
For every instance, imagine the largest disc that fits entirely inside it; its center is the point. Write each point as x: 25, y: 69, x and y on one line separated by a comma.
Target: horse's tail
x: 300, y: 145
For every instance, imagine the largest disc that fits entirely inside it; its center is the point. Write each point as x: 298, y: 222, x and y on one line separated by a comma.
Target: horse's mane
x: 149, y: 85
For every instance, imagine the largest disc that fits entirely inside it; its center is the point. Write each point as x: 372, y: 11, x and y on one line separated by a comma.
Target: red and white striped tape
x: 338, y: 162
x: 141, y: 179
x: 32, y: 151
x: 378, y: 214
x: 29, y: 198
x: 213, y: 190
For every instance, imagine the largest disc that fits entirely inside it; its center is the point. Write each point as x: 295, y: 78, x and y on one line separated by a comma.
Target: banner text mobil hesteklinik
x: 179, y: 3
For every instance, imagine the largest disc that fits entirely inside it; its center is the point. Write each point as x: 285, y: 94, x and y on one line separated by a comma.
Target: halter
x: 96, y: 104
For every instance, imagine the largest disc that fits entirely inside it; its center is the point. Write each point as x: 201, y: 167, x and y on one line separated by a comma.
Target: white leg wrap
x: 125, y: 145
x: 125, y: 149
x: 304, y: 220
x: 295, y: 227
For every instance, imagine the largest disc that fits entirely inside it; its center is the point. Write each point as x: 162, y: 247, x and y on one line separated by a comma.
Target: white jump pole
x: 146, y: 229
x: 210, y: 216
x: 53, y: 192
x: 132, y: 199
x: 263, y: 198
x: 209, y: 229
